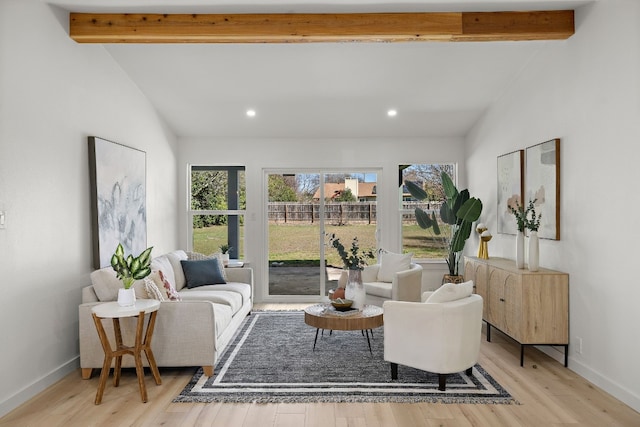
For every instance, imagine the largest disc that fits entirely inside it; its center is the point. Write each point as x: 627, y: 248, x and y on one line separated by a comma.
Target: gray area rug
x: 271, y: 360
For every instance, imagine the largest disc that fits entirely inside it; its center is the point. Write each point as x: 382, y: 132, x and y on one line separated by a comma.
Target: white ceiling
x: 321, y: 90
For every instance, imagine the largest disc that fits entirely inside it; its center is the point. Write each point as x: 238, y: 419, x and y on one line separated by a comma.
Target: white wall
x: 586, y: 91
x: 258, y: 155
x: 53, y: 94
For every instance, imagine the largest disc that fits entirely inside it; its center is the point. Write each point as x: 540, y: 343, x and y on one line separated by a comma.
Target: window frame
x: 233, y: 238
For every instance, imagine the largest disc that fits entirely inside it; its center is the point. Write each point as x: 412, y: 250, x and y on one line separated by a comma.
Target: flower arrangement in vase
x: 353, y: 260
x: 129, y: 269
x: 527, y: 218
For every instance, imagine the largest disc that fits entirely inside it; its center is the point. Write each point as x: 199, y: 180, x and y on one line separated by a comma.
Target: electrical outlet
x: 578, y: 345
x: 2, y: 219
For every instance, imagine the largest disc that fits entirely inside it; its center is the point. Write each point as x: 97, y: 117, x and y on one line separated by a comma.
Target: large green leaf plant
x: 459, y: 210
x: 131, y: 268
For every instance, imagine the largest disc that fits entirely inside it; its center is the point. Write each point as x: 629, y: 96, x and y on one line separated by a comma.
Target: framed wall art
x: 542, y: 184
x: 510, y: 189
x: 118, y: 199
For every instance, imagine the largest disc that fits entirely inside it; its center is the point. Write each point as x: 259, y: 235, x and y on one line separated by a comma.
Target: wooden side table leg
x: 137, y: 355
x: 118, y: 367
x: 147, y: 348
x: 108, y: 357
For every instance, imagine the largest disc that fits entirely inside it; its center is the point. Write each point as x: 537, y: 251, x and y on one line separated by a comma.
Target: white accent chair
x: 440, y: 335
x: 395, y: 277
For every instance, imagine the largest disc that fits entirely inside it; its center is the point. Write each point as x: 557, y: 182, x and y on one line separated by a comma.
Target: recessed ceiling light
x: 251, y: 113
x: 392, y: 113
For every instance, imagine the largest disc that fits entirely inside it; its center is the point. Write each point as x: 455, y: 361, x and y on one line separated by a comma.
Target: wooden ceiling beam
x: 325, y: 27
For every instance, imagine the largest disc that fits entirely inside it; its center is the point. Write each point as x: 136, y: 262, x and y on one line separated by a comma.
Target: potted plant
x: 353, y: 260
x: 459, y: 210
x: 129, y: 269
x: 224, y: 249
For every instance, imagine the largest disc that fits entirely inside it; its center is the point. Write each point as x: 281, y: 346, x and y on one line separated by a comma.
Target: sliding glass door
x: 302, y: 208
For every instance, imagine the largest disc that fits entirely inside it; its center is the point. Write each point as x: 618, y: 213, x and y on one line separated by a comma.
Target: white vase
x: 534, y: 251
x: 355, y: 289
x: 126, y: 297
x: 520, y: 249
x: 225, y: 259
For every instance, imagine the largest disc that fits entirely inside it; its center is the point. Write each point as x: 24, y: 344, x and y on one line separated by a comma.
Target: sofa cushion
x: 379, y: 289
x: 204, y: 272
x: 391, y: 263
x: 106, y: 284
x: 244, y: 289
x: 451, y: 292
x: 174, y: 259
x: 213, y: 294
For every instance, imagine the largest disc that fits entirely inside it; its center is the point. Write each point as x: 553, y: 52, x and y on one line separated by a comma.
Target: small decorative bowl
x: 341, y: 304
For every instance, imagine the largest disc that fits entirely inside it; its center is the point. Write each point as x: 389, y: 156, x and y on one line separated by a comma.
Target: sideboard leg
x: 488, y: 332
x: 521, y: 354
x: 566, y: 355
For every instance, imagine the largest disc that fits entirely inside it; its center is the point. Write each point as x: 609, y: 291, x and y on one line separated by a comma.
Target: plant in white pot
x: 224, y: 250
x: 459, y: 210
x: 129, y: 269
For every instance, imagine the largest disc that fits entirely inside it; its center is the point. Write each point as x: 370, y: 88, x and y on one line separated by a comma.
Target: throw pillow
x: 451, y: 292
x: 172, y: 294
x: 106, y: 284
x: 391, y: 263
x: 204, y: 272
x: 152, y: 289
x: 197, y: 256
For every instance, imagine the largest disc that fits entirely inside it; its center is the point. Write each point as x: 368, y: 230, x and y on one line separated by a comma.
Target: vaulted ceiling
x: 322, y: 90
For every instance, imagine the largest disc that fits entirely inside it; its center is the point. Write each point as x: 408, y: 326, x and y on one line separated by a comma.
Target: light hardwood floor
x: 549, y: 395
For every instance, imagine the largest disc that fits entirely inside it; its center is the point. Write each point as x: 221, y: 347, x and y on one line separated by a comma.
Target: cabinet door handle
x: 502, y: 299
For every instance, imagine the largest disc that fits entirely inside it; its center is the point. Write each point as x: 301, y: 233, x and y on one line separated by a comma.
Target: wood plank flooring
x: 549, y: 395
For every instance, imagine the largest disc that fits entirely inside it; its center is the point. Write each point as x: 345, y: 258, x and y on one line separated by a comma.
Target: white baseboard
x: 614, y: 389
x: 38, y: 386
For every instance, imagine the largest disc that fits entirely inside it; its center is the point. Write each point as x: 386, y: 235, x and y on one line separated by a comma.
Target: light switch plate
x: 2, y: 219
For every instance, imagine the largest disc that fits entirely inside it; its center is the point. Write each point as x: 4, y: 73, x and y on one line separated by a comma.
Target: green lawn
x: 299, y: 243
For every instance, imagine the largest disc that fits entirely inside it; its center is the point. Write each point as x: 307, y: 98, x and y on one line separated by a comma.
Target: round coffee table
x: 324, y: 316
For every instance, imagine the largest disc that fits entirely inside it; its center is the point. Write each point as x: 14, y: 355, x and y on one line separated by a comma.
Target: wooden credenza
x: 530, y: 307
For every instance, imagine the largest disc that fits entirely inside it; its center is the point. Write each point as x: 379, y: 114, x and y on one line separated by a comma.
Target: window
x: 217, y: 208
x: 423, y: 243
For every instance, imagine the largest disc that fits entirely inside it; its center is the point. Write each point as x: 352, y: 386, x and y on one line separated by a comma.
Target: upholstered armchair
x: 440, y: 335
x: 395, y: 277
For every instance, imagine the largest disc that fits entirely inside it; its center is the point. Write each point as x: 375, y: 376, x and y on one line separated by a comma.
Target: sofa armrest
x: 407, y: 284
x: 184, y: 335
x: 242, y: 275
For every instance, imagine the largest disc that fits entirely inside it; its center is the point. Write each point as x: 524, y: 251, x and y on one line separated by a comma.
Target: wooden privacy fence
x: 338, y: 213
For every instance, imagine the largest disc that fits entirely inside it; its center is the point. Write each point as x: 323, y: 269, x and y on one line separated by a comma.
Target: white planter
x: 520, y: 249
x: 225, y: 259
x: 126, y: 297
x: 534, y: 251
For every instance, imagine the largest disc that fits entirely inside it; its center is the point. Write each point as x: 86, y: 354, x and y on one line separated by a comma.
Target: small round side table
x: 111, y: 310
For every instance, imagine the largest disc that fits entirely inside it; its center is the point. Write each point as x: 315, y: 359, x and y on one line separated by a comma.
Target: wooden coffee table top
x: 322, y: 316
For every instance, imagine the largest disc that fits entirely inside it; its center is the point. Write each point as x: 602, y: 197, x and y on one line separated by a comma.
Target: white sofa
x: 190, y: 332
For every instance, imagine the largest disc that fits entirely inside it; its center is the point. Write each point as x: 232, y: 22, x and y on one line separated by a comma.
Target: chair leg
x: 394, y: 371
x: 469, y: 371
x: 442, y: 382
